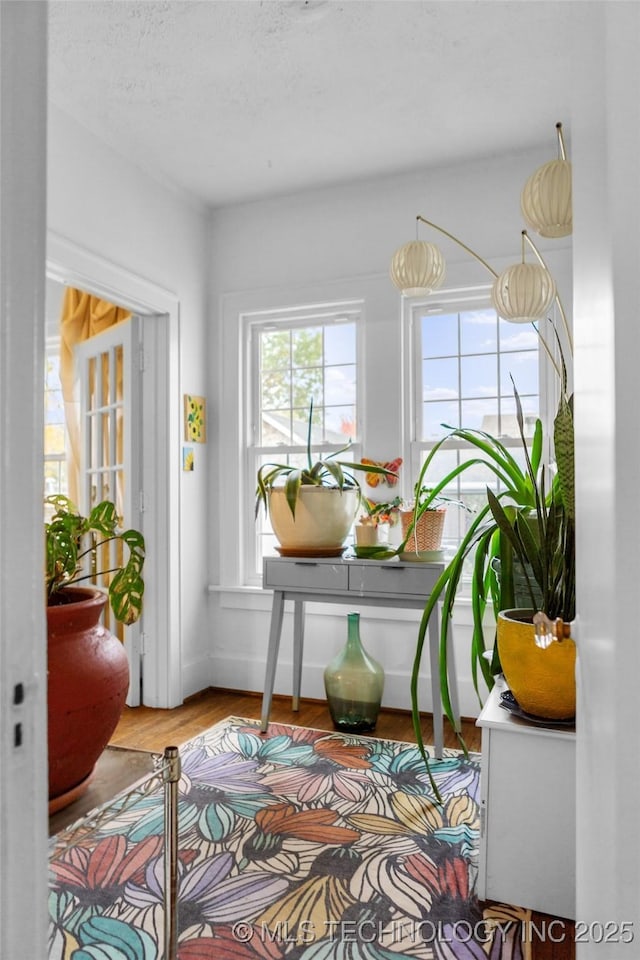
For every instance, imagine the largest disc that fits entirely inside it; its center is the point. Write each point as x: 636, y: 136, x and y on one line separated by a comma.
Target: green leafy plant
x: 376, y: 513
x: 543, y: 541
x: 530, y: 519
x: 71, y: 540
x: 326, y: 471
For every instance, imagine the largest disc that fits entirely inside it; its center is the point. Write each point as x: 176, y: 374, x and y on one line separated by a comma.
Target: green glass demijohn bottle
x: 353, y: 682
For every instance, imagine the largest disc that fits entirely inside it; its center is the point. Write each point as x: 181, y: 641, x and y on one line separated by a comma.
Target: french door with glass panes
x: 108, y: 371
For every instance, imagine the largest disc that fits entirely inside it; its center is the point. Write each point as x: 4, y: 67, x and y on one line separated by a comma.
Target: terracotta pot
x: 323, y: 518
x: 542, y: 680
x: 88, y: 680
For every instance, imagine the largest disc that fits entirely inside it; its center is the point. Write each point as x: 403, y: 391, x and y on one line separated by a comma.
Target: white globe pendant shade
x: 546, y: 200
x: 523, y: 293
x: 417, y: 268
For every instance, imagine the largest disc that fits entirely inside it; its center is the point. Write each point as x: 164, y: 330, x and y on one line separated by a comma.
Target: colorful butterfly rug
x: 293, y: 845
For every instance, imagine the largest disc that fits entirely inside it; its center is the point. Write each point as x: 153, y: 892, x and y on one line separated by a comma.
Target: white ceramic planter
x: 323, y: 518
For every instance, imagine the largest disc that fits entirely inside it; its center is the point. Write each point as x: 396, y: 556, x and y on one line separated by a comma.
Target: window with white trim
x: 464, y: 357
x: 295, y: 356
x: 454, y: 368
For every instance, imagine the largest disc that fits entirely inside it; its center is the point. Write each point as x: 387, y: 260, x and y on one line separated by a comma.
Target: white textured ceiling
x: 232, y: 101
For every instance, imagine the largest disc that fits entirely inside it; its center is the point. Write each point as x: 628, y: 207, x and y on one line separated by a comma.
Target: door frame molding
x: 77, y: 266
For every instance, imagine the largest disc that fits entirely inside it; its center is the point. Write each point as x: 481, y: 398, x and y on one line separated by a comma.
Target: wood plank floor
x: 143, y: 728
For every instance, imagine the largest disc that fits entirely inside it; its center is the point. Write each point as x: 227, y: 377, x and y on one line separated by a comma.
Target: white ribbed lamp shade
x: 546, y: 200
x: 523, y: 293
x: 417, y: 268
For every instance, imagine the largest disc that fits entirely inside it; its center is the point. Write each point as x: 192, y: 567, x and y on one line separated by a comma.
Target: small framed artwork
x: 195, y: 419
x: 187, y: 459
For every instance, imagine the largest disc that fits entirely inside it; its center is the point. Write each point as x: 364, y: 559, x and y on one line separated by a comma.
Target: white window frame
x: 292, y: 317
x: 458, y: 300
x: 386, y: 382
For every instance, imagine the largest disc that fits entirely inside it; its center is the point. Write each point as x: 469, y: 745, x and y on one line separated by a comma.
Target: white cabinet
x: 528, y: 812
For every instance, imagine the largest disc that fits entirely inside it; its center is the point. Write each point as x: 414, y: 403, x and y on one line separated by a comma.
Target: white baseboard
x: 236, y: 674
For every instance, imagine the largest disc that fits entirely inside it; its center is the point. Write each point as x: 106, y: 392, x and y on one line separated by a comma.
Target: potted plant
x: 88, y: 671
x: 529, y: 526
x: 422, y: 520
x: 311, y: 508
x: 537, y: 654
x: 377, y: 518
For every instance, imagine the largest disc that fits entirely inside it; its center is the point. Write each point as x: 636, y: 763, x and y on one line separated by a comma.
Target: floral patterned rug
x: 293, y: 845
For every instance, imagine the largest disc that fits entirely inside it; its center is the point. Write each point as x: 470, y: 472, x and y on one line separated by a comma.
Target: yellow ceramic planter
x: 543, y: 681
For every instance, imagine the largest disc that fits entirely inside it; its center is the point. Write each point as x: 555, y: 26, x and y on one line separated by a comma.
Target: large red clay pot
x: 87, y: 687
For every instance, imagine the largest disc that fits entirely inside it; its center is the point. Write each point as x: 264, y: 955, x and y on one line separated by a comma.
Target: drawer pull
x: 299, y: 563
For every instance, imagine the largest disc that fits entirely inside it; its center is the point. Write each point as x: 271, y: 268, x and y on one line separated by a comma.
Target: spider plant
x: 326, y: 471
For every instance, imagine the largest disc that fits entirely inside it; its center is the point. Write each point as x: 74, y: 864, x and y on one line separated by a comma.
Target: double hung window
x: 457, y: 368
x: 293, y: 358
x: 466, y: 362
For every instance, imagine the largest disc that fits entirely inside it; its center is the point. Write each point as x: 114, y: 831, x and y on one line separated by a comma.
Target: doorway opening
x: 152, y: 466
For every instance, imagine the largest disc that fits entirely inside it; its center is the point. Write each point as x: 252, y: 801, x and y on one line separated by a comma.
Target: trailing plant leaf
x: 65, y: 549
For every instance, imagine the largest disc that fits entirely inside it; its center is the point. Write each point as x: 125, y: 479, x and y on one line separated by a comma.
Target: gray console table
x: 382, y: 583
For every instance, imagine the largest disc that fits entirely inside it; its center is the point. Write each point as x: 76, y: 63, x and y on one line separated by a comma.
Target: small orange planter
x: 543, y: 680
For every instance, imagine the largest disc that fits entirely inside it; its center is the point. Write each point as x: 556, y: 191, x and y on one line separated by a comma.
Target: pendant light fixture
x: 546, y: 196
x: 523, y: 293
x: 417, y: 268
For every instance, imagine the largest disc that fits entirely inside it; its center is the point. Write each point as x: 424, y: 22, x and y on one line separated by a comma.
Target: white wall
x: 334, y: 244
x: 103, y: 204
x: 23, y: 658
x: 607, y: 294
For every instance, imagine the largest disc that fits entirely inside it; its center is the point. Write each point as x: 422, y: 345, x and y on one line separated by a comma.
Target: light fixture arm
x: 565, y: 324
x: 460, y: 244
x: 495, y: 275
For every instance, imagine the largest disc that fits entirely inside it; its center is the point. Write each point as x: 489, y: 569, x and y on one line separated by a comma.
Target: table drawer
x: 305, y: 575
x: 393, y: 578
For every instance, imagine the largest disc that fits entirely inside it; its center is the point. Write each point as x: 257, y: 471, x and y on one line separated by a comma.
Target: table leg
x: 298, y: 650
x: 434, y: 659
x: 277, y: 610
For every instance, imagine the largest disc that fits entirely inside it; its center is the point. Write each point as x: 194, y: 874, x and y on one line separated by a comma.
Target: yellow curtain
x: 82, y: 317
